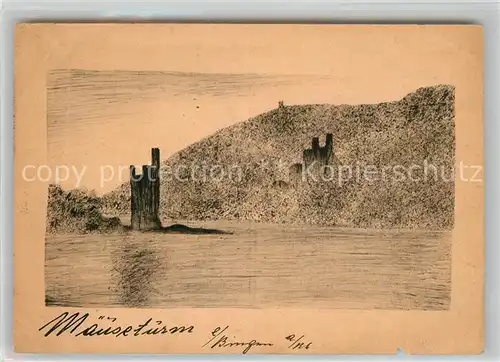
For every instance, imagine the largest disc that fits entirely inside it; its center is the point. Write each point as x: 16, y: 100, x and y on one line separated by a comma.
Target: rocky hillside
x: 77, y: 211
x: 241, y: 172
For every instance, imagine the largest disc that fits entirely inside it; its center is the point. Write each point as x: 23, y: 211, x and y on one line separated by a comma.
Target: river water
x: 258, y: 266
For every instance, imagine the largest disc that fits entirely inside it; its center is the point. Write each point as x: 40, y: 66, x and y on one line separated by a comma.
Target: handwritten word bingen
x: 221, y: 340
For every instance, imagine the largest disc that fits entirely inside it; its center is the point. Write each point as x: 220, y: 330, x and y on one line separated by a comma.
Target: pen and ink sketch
x: 293, y: 204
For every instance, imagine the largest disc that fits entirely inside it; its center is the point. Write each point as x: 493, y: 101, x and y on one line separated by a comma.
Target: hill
x: 77, y: 211
x: 249, y: 164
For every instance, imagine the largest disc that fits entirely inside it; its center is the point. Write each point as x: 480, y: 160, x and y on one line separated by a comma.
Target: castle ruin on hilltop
x: 315, y: 159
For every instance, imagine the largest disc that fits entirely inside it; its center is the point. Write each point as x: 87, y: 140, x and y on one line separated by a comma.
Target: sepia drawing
x: 298, y: 204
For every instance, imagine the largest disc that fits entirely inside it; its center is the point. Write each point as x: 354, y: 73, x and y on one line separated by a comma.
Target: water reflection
x: 290, y: 266
x: 135, y: 266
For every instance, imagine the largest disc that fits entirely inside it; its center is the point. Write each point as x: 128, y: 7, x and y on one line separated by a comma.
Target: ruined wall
x: 314, y: 158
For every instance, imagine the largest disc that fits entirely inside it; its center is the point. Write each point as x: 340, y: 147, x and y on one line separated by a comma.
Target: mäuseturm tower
x: 145, y: 195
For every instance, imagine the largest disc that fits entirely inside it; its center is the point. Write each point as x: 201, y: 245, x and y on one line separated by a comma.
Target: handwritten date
x: 298, y: 342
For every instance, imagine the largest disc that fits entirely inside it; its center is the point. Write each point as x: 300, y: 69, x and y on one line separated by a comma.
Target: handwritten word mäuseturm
x: 77, y: 325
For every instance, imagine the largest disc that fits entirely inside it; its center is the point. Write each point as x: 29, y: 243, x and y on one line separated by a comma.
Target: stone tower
x: 145, y: 195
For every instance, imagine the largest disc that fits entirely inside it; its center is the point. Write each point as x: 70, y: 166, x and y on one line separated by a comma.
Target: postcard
x: 248, y: 189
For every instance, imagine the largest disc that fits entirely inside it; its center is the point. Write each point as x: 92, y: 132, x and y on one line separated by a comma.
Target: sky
x: 110, y: 108
x: 117, y: 116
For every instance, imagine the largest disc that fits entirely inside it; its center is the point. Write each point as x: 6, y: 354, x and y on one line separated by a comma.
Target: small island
x: 79, y: 211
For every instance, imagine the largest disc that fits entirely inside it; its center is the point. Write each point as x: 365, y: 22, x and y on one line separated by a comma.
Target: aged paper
x: 248, y: 188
